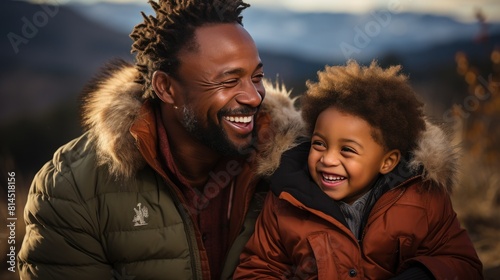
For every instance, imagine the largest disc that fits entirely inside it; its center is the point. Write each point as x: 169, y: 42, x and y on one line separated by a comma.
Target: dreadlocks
x: 159, y: 38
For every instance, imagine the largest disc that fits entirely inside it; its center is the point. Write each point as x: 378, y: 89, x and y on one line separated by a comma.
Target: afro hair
x: 381, y: 97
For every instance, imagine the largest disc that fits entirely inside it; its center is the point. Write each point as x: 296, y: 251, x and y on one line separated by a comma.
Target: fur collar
x: 438, y: 157
x: 112, y: 100
x: 111, y: 103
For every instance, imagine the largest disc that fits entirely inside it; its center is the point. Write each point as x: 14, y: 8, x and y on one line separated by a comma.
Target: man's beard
x: 213, y: 135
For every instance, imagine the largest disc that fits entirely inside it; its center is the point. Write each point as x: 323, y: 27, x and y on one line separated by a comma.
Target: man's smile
x: 241, y: 124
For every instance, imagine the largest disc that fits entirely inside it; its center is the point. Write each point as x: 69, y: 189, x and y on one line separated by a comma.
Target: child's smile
x: 344, y: 158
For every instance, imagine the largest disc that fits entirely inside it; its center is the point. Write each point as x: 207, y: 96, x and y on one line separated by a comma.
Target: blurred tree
x: 477, y: 195
x: 480, y: 112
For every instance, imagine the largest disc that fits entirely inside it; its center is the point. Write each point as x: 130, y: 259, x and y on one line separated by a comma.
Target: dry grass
x: 477, y: 203
x: 477, y: 196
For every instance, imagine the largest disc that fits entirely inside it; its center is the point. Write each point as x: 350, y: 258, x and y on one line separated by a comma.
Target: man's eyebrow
x: 237, y: 71
x: 259, y: 66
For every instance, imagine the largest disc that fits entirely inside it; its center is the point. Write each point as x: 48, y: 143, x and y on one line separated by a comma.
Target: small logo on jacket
x: 141, y: 212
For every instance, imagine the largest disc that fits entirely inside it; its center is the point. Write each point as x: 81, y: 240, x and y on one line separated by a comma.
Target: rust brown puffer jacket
x: 301, y: 233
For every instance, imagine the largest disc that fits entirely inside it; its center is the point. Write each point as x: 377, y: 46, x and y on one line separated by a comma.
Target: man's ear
x: 162, y: 85
x: 390, y: 161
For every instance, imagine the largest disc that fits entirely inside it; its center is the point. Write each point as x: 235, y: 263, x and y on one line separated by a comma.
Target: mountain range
x: 69, y: 42
x: 50, y: 52
x: 320, y: 36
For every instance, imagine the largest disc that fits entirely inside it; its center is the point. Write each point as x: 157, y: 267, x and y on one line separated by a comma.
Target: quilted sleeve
x: 61, y: 240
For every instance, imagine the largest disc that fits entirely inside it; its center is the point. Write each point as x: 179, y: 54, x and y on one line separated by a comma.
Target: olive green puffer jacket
x: 103, y: 208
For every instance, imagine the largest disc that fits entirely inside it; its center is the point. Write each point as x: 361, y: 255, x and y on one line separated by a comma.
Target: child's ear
x: 390, y: 161
x: 161, y: 83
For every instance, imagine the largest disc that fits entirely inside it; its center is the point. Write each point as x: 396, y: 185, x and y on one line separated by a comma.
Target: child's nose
x: 330, y: 158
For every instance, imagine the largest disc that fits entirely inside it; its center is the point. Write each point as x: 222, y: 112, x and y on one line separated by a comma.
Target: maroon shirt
x: 209, y: 206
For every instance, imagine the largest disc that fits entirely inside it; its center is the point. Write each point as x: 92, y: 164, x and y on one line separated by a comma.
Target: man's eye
x: 258, y: 78
x: 230, y: 83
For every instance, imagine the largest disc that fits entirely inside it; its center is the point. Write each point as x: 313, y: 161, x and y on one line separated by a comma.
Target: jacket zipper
x: 186, y: 218
x: 190, y: 234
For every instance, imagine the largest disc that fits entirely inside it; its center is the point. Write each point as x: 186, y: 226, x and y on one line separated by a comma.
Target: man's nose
x: 251, y: 94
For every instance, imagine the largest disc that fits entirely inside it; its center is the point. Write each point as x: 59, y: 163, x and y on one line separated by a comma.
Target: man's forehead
x: 213, y: 34
x: 211, y: 38
x: 220, y: 42
x: 219, y: 49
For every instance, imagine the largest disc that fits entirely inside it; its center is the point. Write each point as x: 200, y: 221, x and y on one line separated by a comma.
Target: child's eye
x: 348, y: 149
x: 317, y: 144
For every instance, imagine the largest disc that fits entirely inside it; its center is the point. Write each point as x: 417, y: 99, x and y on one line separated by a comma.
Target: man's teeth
x: 333, y: 178
x: 239, y: 119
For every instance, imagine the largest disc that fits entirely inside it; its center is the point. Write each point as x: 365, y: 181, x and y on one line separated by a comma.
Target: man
x: 164, y: 183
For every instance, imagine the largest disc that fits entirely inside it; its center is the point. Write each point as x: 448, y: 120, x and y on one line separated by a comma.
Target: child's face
x: 344, y: 158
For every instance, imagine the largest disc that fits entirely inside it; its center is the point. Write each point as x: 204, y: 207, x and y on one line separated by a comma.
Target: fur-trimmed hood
x: 438, y: 157
x: 435, y: 159
x: 112, y: 101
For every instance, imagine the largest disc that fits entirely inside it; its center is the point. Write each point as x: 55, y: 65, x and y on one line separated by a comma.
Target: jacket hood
x: 434, y: 162
x: 112, y: 102
x: 434, y: 159
x: 437, y: 156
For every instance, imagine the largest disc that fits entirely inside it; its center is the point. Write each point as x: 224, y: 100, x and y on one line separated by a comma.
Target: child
x: 368, y: 196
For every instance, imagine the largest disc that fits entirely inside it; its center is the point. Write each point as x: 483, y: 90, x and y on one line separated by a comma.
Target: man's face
x: 220, y: 86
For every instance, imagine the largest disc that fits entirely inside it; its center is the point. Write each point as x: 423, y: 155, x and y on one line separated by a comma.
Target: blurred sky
x: 459, y: 9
